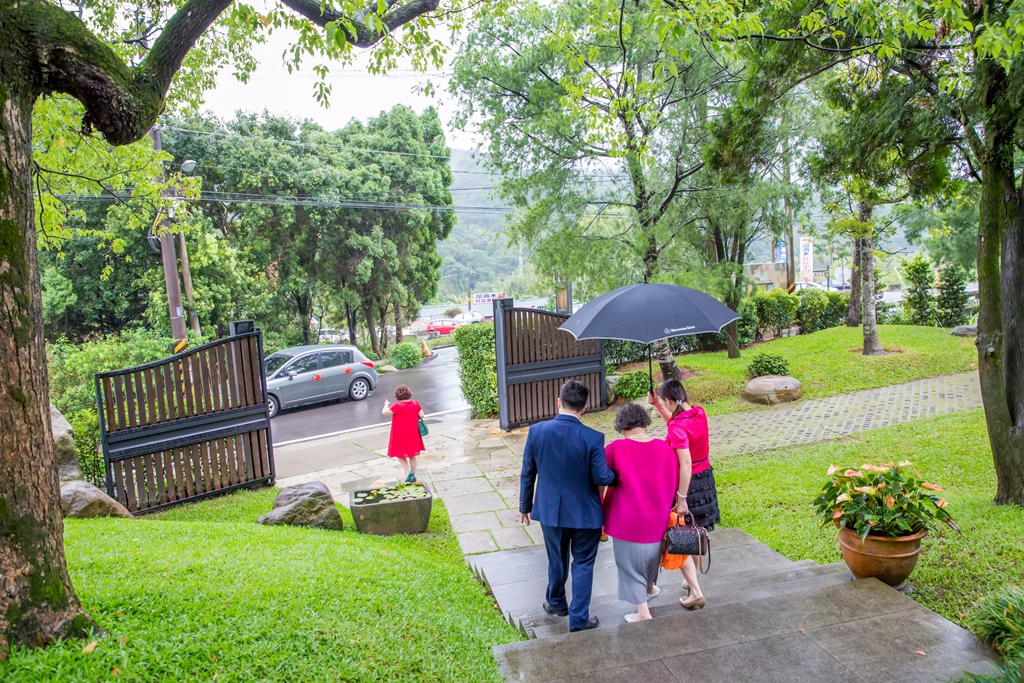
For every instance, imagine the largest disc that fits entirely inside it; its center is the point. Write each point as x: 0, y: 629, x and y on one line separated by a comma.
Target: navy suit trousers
x: 582, y: 544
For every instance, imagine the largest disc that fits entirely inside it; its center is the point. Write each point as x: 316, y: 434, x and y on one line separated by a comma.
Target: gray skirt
x: 637, y: 565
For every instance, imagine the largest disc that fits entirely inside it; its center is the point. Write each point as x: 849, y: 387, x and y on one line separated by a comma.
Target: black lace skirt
x: 702, y: 499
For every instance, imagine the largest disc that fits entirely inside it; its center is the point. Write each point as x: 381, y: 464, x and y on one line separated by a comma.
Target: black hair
x: 673, y: 390
x: 631, y: 416
x: 574, y: 395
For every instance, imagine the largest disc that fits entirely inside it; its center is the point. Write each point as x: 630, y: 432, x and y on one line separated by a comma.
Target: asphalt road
x: 434, y: 383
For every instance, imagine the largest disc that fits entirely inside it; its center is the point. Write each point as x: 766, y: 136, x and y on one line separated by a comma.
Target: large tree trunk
x: 853, y: 315
x: 352, y: 320
x: 667, y: 363
x: 37, y: 602
x: 368, y: 313
x: 1000, y: 346
x: 399, y: 337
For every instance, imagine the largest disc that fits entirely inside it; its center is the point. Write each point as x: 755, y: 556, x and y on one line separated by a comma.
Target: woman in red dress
x: 406, y: 442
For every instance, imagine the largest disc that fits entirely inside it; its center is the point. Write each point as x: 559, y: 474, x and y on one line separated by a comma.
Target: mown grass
x: 204, y: 593
x: 768, y: 495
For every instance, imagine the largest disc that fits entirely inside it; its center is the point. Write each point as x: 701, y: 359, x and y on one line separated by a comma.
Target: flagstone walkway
x: 474, y: 466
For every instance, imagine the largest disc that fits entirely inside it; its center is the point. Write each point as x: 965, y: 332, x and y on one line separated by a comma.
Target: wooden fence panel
x: 535, y: 358
x: 187, y: 427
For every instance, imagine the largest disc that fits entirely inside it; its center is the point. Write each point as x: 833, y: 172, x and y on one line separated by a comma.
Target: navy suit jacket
x: 565, y: 459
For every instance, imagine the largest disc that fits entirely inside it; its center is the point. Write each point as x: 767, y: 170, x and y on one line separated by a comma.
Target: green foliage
x: 766, y: 495
x: 633, y: 385
x: 776, y: 310
x: 72, y: 366
x: 86, y: 426
x: 369, y: 353
x: 953, y: 298
x: 949, y: 232
x: 452, y: 312
x: 618, y: 352
x: 917, y: 300
x: 440, y: 342
x: 478, y: 374
x: 881, y: 500
x: 406, y: 355
x: 746, y: 326
x: 820, y: 310
x: 764, y: 364
x: 183, y: 593
x: 999, y: 621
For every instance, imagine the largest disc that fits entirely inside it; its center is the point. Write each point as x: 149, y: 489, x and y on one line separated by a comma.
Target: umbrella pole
x: 650, y: 368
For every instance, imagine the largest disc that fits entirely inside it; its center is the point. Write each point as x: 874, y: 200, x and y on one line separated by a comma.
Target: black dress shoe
x: 591, y: 623
x: 555, y: 612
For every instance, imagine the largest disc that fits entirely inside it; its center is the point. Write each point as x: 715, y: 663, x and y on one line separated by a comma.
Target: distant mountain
x: 475, y: 253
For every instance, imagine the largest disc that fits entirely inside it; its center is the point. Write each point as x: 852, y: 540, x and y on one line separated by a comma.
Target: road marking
x: 359, y: 429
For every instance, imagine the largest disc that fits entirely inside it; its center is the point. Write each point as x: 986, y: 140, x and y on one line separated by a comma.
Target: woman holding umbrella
x: 688, y: 435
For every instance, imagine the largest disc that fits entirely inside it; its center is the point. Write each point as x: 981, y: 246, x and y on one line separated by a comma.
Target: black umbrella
x: 648, y: 312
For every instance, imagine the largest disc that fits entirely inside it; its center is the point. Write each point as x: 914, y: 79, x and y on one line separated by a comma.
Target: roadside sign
x: 806, y: 259
x: 781, y: 251
x: 486, y: 297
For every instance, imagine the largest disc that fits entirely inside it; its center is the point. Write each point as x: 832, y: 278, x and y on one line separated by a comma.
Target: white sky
x: 356, y: 93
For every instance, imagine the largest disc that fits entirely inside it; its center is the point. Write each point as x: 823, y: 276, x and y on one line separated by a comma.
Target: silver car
x: 312, y: 374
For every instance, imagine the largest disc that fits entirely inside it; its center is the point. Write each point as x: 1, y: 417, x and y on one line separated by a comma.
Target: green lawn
x: 203, y: 593
x: 768, y: 495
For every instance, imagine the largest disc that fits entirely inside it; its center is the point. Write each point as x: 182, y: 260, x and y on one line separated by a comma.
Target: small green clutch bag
x: 423, y: 428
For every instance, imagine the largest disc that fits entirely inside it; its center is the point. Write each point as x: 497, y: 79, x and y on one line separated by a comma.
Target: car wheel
x: 272, y: 406
x: 359, y: 389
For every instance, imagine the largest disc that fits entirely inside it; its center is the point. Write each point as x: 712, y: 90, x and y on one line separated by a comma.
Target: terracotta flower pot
x: 890, y: 560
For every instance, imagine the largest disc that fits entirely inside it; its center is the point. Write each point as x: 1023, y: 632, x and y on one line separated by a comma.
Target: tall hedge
x: 478, y: 369
x: 820, y: 310
x: 776, y: 310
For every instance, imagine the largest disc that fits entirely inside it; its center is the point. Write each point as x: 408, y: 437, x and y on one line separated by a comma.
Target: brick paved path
x: 474, y: 467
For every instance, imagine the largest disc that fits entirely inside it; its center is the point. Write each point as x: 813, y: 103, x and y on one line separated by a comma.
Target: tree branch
x: 396, y: 15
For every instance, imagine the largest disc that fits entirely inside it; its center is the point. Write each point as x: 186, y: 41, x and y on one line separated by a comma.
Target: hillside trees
x: 45, y: 49
x: 596, y: 132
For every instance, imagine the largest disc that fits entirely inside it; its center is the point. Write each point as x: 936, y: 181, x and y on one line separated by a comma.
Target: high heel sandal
x: 693, y: 603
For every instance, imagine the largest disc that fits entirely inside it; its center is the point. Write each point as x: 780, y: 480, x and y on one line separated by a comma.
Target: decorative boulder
x: 82, y: 500
x: 772, y: 390
x: 965, y: 331
x: 310, y: 504
x: 387, y: 368
x: 609, y: 386
x: 64, y: 447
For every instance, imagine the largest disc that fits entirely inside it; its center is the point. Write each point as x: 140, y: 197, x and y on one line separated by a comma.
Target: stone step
x: 822, y: 633
x: 610, y: 610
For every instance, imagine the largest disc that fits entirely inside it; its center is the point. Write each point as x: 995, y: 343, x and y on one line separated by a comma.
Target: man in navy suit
x: 565, y: 459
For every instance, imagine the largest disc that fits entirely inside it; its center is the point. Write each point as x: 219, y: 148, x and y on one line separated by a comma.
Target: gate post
x: 501, y: 359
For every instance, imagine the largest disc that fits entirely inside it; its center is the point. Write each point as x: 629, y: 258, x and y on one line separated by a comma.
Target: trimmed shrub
x: 478, y: 370
x: 618, y: 353
x: 918, y: 303
x: 369, y: 353
x: 452, y: 312
x: 633, y: 385
x: 406, y: 355
x: 763, y: 364
x: 440, y: 342
x: 820, y: 310
x: 952, y: 302
x: 776, y: 310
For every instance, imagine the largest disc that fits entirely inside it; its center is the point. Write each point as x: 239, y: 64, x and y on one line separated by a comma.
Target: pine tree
x: 953, y: 298
x: 918, y: 302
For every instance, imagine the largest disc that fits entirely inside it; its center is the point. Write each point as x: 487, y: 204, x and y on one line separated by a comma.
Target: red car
x: 440, y: 328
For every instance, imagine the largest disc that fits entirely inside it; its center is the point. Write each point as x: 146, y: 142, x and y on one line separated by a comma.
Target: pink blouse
x: 689, y: 429
x: 636, y: 509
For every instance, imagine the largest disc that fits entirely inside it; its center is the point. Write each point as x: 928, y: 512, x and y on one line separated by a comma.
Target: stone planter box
x: 392, y: 516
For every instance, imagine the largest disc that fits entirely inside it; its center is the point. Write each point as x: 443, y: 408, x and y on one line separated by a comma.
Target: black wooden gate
x: 187, y: 427
x: 535, y: 358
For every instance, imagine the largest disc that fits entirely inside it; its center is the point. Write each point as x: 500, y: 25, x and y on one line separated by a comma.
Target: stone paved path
x: 474, y: 466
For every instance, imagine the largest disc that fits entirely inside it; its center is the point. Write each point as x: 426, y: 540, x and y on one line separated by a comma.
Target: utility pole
x: 170, y: 263
x: 186, y: 275
x: 469, y: 286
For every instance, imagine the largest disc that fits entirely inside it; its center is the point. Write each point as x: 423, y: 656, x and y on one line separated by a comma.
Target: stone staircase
x: 767, y: 619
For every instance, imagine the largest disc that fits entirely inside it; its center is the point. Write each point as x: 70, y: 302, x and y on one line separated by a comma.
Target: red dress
x: 405, y: 441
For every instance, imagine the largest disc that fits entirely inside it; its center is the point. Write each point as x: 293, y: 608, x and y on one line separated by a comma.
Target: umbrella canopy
x: 648, y: 312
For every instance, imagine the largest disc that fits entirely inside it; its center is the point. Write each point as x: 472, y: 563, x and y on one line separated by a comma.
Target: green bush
x: 820, y: 310
x: 369, y: 353
x: 72, y: 366
x: 953, y: 299
x: 763, y: 364
x: 86, y: 426
x: 440, y: 342
x: 776, y: 310
x: 452, y: 312
x: 746, y: 327
x: 917, y: 302
x: 406, y: 355
x: 478, y: 370
x: 999, y: 621
x: 633, y: 385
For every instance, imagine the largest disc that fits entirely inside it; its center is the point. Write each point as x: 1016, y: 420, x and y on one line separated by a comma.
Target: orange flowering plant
x: 881, y: 500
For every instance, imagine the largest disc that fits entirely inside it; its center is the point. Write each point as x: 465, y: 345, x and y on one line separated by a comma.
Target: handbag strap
x: 705, y: 544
